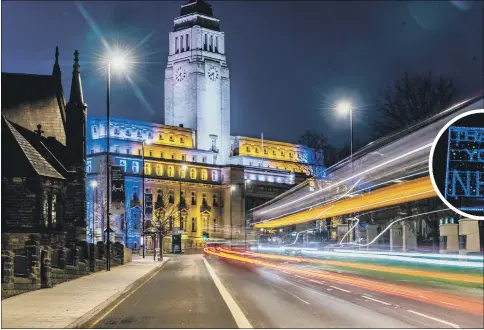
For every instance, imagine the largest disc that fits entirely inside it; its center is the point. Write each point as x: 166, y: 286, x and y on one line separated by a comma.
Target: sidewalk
x: 68, y: 304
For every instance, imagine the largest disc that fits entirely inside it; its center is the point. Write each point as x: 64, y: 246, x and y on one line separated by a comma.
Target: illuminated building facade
x: 218, y: 177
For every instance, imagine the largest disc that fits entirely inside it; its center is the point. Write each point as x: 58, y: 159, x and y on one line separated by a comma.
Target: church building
x: 189, y: 176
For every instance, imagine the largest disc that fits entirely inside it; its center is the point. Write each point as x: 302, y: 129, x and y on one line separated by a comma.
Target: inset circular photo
x: 456, y: 164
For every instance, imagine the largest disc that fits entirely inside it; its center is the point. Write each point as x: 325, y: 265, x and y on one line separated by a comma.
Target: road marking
x: 286, y: 272
x: 436, y: 319
x: 102, y: 317
x: 424, y: 297
x: 443, y: 302
x: 292, y: 294
x: 237, y: 313
x: 335, y: 287
x: 300, y: 277
x: 315, y: 281
x: 381, y: 302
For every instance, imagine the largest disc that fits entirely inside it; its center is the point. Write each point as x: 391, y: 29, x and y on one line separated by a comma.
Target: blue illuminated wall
x: 464, y: 186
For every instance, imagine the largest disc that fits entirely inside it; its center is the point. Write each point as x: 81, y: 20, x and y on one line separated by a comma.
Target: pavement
x: 71, y: 304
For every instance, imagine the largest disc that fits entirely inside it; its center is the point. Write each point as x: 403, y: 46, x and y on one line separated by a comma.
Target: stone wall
x: 38, y: 266
x: 19, y: 202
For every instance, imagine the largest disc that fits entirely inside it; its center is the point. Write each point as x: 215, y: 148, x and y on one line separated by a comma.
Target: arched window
x: 205, y: 42
x: 182, y: 48
x: 193, y: 173
x: 204, y: 175
x: 159, y: 169
x: 211, y: 44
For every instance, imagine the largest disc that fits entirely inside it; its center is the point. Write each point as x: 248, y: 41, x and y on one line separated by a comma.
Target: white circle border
x: 431, y: 171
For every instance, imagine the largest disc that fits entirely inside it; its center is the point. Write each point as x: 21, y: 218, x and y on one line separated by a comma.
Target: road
x: 184, y: 295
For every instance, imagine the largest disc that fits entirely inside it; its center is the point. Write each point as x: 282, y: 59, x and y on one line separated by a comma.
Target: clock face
x: 212, y: 73
x: 180, y: 74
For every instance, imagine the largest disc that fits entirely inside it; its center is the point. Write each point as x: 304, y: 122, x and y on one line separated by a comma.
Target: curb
x: 85, y: 321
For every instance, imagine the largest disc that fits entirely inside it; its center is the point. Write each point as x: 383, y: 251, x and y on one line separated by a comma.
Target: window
x: 172, y: 156
x: 49, y: 210
x: 215, y: 200
x: 194, y: 198
x: 116, y: 131
x: 183, y: 157
x: 205, y: 42
x: 161, y: 155
x: 122, y: 163
x: 171, y: 196
x: 45, y: 209
x: 188, y: 41
x: 214, y: 175
x: 204, y: 159
x: 147, y: 168
x: 290, y: 155
x: 182, y: 48
x: 182, y: 140
x: 53, y: 211
x: 204, y: 198
x: 171, y: 139
x: 94, y: 129
x: 128, y: 150
x: 273, y: 152
x: 176, y: 45
x: 160, y: 137
x: 88, y: 166
x: 182, y: 223
x: 139, y: 152
x: 171, y: 171
x: 159, y: 169
x: 150, y: 135
x: 138, y: 134
x: 214, y: 224
x: 247, y: 149
x: 183, y: 173
x: 282, y: 153
x: 135, y: 167
x: 194, y: 224
x: 194, y: 158
x: 216, y: 44
x: 193, y: 173
x: 256, y: 150
x: 211, y: 44
x: 92, y: 151
x: 128, y: 132
x: 204, y: 175
x: 265, y: 151
x: 151, y: 153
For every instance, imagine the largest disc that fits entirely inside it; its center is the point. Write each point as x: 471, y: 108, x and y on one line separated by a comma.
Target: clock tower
x: 197, y: 84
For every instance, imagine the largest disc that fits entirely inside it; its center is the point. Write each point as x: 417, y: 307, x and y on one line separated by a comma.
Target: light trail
x: 410, y: 254
x: 435, y: 298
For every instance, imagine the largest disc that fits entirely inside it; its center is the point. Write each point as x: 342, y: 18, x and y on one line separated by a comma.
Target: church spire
x: 76, y: 86
x: 56, y: 72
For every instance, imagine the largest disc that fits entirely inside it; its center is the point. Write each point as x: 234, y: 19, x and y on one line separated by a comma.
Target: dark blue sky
x: 288, y: 60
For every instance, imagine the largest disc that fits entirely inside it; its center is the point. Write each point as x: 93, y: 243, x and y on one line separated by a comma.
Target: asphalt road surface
x: 184, y: 295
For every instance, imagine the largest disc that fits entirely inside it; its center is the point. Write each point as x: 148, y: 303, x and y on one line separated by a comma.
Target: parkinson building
x: 189, y: 176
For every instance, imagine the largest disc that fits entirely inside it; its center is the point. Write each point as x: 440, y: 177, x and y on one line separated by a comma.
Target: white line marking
x: 436, y: 319
x: 335, y: 287
x: 381, y: 302
x: 286, y: 272
x: 292, y: 294
x: 319, y: 282
x: 237, y: 313
x: 329, y: 289
x: 424, y: 297
x: 300, y: 277
x: 443, y: 302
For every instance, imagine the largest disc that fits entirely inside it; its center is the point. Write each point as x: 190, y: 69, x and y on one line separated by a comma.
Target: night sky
x: 289, y: 61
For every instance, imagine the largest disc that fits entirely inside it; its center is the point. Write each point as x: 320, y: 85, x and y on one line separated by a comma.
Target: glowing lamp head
x: 118, y: 63
x: 247, y: 181
x: 93, y: 183
x: 344, y: 108
x: 233, y: 187
x: 184, y: 167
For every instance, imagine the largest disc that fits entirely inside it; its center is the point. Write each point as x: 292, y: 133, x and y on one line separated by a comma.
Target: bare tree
x: 314, y: 158
x: 411, y: 99
x: 166, y: 213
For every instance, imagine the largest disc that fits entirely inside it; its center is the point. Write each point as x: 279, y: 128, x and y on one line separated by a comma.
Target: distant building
x: 225, y: 175
x: 43, y: 160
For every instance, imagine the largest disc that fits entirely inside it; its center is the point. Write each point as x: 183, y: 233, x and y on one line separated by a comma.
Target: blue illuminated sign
x: 464, y: 186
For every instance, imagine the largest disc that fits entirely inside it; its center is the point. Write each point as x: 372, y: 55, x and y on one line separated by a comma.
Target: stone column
x: 7, y: 268
x: 32, y: 247
x: 449, y: 233
x: 396, y: 237
x: 46, y: 267
x: 409, y: 235
x: 371, y: 233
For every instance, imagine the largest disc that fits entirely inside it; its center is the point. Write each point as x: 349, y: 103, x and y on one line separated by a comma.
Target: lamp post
x: 144, y: 142
x: 246, y: 182
x: 94, y: 190
x: 343, y: 108
x: 232, y: 188
x: 183, y: 168
x: 119, y: 63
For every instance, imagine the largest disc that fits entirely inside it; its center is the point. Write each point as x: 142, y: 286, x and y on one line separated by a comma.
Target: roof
x: 196, y: 13
x: 35, y: 160
x: 29, y: 100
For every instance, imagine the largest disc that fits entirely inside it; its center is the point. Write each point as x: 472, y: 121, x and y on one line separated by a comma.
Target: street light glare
x: 184, y: 167
x: 344, y: 107
x: 148, y: 141
x: 118, y: 63
x: 232, y: 187
x: 94, y: 183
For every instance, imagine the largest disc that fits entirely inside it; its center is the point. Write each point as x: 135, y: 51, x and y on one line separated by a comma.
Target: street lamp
x: 183, y: 168
x: 344, y: 108
x: 93, y: 185
x: 232, y: 188
x: 144, y: 142
x: 118, y: 62
x: 246, y: 182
